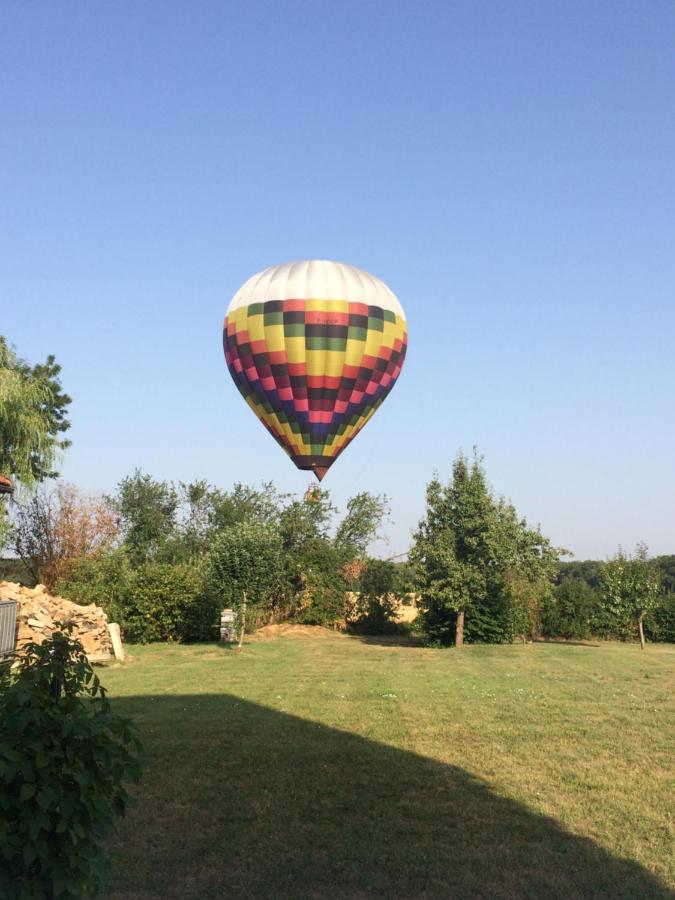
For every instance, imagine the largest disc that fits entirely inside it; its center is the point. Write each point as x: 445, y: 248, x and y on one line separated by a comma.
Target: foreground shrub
x: 64, y: 761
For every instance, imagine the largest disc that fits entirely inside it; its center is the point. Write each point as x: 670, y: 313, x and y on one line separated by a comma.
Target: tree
x: 666, y: 566
x: 33, y: 416
x: 453, y: 545
x: 244, y: 504
x: 195, y: 526
x: 588, y: 570
x: 316, y: 576
x: 361, y: 523
x: 474, y: 556
x: 631, y: 587
x: 32, y: 420
x: 570, y: 610
x: 56, y: 529
x: 305, y: 521
x: 526, y: 565
x: 245, y: 565
x: 376, y: 604
x: 147, y: 509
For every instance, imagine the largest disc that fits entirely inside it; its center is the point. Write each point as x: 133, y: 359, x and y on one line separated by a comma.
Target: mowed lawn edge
x: 333, y: 766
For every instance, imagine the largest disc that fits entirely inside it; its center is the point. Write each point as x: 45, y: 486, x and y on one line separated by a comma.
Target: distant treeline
x: 163, y: 559
x: 578, y: 608
x: 590, y: 571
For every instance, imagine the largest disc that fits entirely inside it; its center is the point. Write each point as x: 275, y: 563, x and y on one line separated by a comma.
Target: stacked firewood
x: 40, y: 613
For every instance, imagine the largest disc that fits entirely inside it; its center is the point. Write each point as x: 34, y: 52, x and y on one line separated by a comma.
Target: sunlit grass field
x: 331, y: 766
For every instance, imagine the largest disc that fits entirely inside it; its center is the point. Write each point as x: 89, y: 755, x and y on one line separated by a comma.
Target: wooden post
x: 116, y: 638
x: 642, y: 631
x: 242, y: 625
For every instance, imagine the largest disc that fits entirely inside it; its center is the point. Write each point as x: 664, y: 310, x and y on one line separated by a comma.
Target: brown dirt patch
x: 286, y: 629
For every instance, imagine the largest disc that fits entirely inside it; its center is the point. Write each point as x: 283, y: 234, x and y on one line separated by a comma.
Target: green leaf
x: 27, y: 791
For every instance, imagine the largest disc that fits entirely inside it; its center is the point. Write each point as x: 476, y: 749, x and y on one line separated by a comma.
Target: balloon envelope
x: 314, y: 347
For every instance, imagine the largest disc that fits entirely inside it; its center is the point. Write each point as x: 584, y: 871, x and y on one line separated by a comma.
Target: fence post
x: 242, y: 627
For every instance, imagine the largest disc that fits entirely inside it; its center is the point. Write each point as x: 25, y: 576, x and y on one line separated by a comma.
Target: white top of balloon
x: 316, y: 279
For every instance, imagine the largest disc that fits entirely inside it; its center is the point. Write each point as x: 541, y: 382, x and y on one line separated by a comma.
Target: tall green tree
x: 312, y: 571
x: 453, y: 546
x: 479, y: 566
x: 244, y: 504
x: 195, y: 527
x: 306, y: 521
x: 245, y: 566
x: 33, y: 417
x: 631, y: 587
x: 362, y: 522
x: 147, y: 509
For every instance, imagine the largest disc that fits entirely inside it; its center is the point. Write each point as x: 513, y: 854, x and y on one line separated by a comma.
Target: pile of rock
x: 39, y: 613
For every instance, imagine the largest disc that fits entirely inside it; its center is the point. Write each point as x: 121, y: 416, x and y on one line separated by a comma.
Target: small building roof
x: 6, y: 486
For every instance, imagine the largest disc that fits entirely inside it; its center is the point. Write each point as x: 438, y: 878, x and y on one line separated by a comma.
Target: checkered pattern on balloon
x: 314, y: 371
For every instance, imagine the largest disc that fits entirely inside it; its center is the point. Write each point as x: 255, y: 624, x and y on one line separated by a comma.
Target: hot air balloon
x: 314, y: 347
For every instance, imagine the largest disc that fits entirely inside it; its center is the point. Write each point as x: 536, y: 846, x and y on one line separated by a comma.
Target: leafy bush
x: 571, y: 610
x: 496, y: 619
x: 660, y: 622
x: 191, y: 550
x: 153, y: 602
x: 63, y: 766
x: 438, y: 624
x: 104, y: 580
x: 166, y: 602
x: 323, y: 600
x: 322, y: 596
x: 247, y: 558
x: 376, y: 605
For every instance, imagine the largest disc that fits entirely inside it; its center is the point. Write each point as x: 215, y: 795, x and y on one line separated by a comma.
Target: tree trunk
x: 642, y: 631
x: 459, y: 628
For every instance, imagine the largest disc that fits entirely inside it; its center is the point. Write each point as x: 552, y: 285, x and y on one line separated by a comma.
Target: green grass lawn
x: 337, y: 767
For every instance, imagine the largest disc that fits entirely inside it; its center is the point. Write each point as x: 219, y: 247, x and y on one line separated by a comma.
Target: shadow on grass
x: 239, y: 800
x: 405, y: 639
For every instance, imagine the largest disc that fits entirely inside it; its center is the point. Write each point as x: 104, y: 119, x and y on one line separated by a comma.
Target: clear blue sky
x: 507, y: 168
